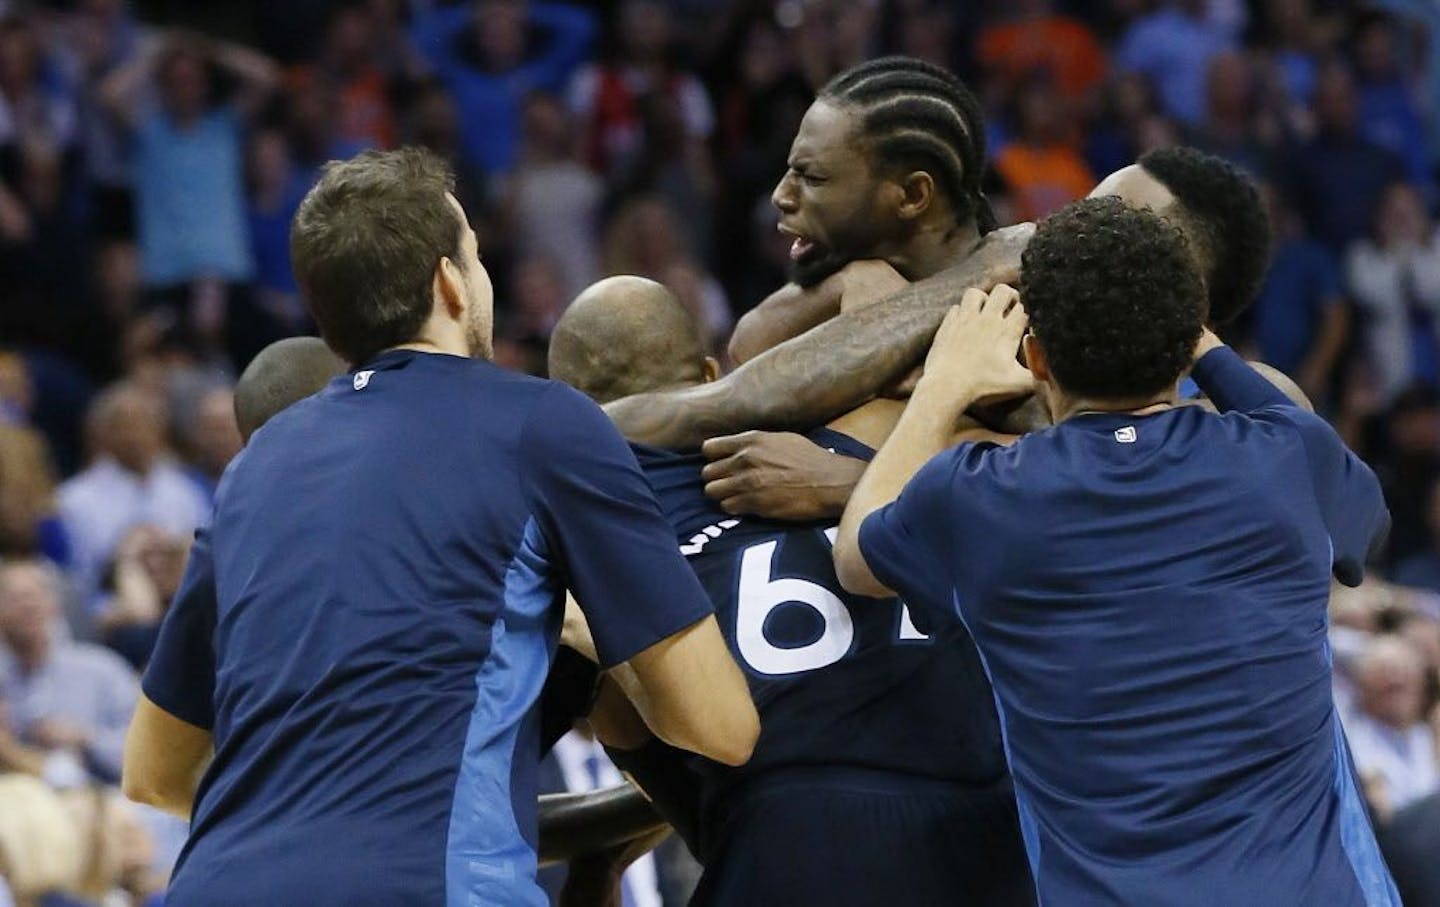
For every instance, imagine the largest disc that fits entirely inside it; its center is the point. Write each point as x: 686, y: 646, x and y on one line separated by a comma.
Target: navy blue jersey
x: 839, y: 680
x: 1149, y: 595
x: 367, y: 624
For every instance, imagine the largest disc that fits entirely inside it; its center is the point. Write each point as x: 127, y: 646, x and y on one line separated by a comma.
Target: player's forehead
x: 826, y: 135
x: 1134, y: 186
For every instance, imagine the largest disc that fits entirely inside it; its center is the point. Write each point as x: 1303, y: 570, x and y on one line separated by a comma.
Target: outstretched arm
x: 830, y: 369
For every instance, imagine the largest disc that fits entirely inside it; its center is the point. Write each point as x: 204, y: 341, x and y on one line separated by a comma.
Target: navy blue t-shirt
x: 1149, y: 596
x: 368, y: 622
x: 838, y: 679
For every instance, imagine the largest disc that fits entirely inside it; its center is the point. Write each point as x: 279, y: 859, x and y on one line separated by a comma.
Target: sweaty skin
x: 829, y: 370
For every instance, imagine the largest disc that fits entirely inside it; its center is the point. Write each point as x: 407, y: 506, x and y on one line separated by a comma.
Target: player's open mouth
x: 803, y: 247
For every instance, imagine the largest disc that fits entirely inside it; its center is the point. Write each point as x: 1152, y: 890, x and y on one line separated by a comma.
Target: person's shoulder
x: 555, y: 414
x: 968, y: 461
x: 487, y: 384
x: 94, y: 481
x: 86, y: 659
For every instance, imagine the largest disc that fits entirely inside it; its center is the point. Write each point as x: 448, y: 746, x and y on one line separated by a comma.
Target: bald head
x: 283, y: 373
x: 626, y: 335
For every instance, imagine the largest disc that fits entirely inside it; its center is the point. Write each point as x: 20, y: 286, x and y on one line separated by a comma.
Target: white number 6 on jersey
x: 760, y: 595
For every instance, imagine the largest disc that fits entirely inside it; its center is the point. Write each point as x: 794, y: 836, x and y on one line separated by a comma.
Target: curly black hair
x: 1223, y: 215
x: 1114, y: 298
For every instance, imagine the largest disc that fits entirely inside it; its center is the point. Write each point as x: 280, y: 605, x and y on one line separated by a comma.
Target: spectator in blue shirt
x: 1338, y: 176
x: 276, y: 187
x: 1299, y: 322
x: 1389, y: 114
x: 1174, y: 47
x: 491, y: 54
x: 194, y: 237
x: 189, y: 156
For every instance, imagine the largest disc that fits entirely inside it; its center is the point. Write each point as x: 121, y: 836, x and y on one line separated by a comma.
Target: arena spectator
x: 1422, y: 569
x: 607, y: 97
x: 760, y: 108
x: 138, y: 587
x: 645, y: 239
x: 1407, y: 458
x: 40, y: 237
x: 189, y: 170
x: 72, y: 700
x: 490, y: 54
x: 1033, y: 40
x: 672, y: 167
x: 1338, y: 176
x: 539, y: 299
x: 1041, y: 168
x: 1394, y: 278
x: 209, y: 437
x: 1423, y: 17
x: 1294, y: 41
x: 348, y: 63
x: 1112, y: 141
x: 1299, y: 322
x: 29, y: 522
x: 117, y: 849
x: 832, y: 36
x: 1174, y: 46
x: 40, y: 845
x: 926, y: 29
x: 1410, y: 843
x: 276, y: 187
x: 554, y: 199
x: 132, y: 480
x: 1231, y: 128
x: 101, y: 37
x: 35, y: 103
x: 434, y: 123
x: 1389, y: 115
x: 1394, y: 748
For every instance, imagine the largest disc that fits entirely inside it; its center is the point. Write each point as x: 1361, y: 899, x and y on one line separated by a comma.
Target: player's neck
x: 440, y: 335
x: 1063, y: 406
x: 933, y: 248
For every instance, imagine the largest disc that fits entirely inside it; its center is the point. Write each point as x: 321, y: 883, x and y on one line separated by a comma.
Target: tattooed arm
x: 828, y: 370
x: 788, y: 312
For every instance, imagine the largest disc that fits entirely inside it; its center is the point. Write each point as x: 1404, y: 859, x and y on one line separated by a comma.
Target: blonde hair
x: 39, y: 841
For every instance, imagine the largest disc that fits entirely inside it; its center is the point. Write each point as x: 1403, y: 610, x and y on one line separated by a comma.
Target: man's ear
x: 448, y: 288
x: 917, y: 191
x: 1035, y: 358
x: 711, y: 370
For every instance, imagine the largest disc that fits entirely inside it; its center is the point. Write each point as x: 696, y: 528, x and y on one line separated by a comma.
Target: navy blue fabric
x: 366, y: 627
x: 854, y: 686
x: 852, y: 839
x: 1149, y: 596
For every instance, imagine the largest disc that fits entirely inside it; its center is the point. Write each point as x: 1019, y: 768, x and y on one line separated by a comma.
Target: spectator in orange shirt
x: 1036, y: 41
x: 365, y: 117
x: 1042, y: 169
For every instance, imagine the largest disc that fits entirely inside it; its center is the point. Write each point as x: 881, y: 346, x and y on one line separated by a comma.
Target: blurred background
x: 152, y: 154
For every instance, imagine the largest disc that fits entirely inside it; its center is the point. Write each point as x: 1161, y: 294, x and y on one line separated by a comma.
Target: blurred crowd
x: 148, y: 174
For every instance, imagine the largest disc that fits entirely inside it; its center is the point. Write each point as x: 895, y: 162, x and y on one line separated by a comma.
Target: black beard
x: 806, y: 274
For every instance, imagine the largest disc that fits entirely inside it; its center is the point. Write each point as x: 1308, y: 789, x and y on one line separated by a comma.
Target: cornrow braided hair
x: 919, y: 115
